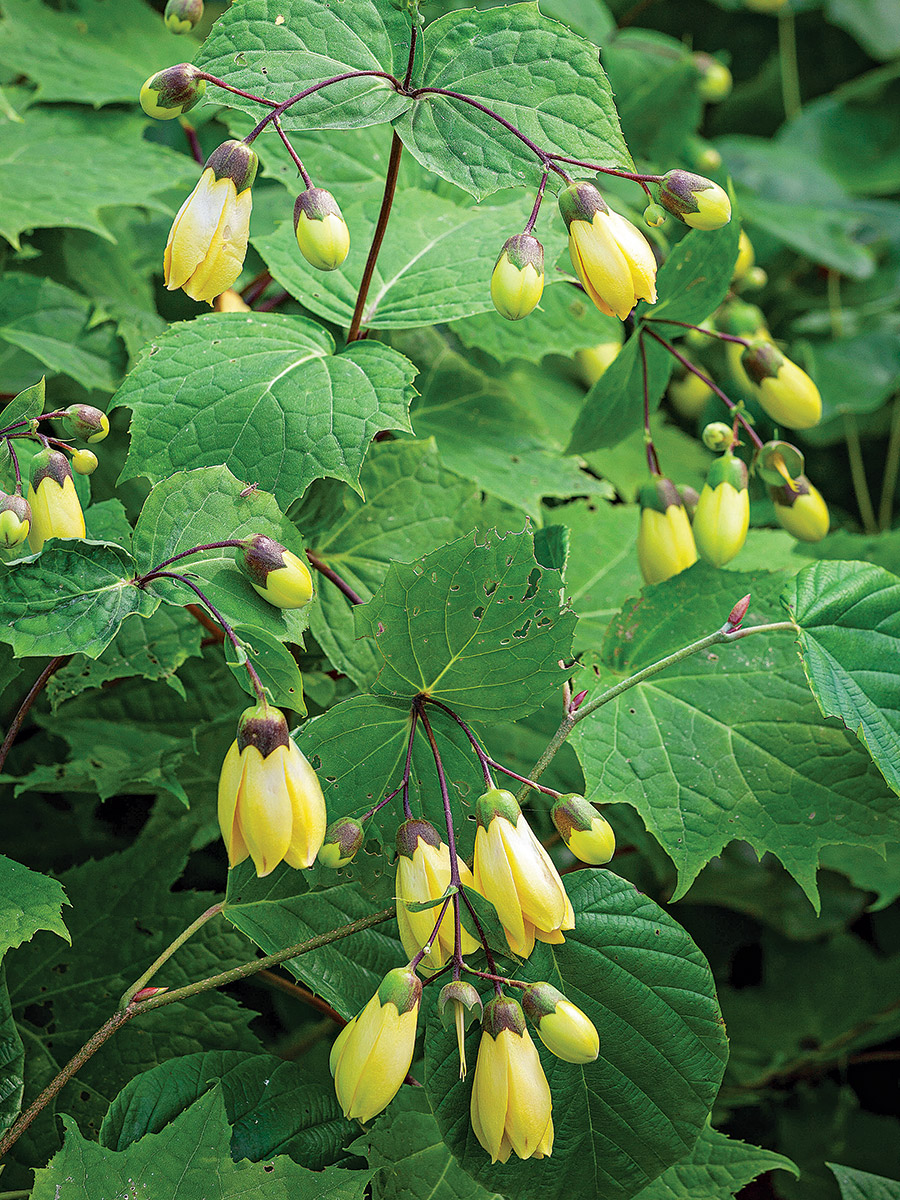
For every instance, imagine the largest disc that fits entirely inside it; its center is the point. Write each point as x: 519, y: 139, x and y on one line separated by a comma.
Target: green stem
x: 858, y: 475
x: 262, y: 964
x: 891, y: 471
x: 14, y: 1195
x: 835, y: 311
x: 168, y: 952
x: 570, y: 720
x: 787, y: 55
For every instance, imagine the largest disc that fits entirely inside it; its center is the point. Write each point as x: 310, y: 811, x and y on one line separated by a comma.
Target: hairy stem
x: 340, y: 584
x: 387, y: 200
x: 168, y: 952
x: 36, y: 688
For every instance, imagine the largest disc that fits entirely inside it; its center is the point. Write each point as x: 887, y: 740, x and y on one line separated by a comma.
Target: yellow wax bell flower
x: 172, y: 92
x: 279, y: 576
x: 372, y: 1054
x: 723, y: 512
x: 511, y: 1104
x: 85, y: 462
x: 320, y: 228
x: 665, y: 544
x: 208, y: 240
x: 800, y: 509
x: 595, y: 361
x: 423, y: 874
x: 55, y: 507
x: 697, y: 201
x: 231, y: 301
x: 517, y: 283
x: 786, y: 393
x: 611, y: 257
x: 15, y: 520
x: 564, y: 1029
x: 585, y: 831
x: 271, y: 806
x: 514, y: 871
x: 460, y: 1003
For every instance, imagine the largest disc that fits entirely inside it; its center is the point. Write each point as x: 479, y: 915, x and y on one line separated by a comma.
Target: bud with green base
x: 517, y: 283
x: 723, y: 513
x: 459, y: 1005
x: 55, y: 507
x: 696, y: 201
x: 182, y: 15
x: 563, y: 1028
x: 85, y: 462
x: 86, y: 422
x: 15, y: 520
x: 172, y: 92
x: 715, y: 78
x: 320, y: 228
x: 800, y: 509
x: 280, y: 577
x: 585, y: 831
x: 208, y: 239
x: 717, y: 436
x: 786, y: 393
x: 665, y: 544
x: 655, y: 215
x: 343, y: 841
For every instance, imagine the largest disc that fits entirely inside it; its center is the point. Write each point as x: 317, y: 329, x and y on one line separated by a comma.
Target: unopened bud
x: 703, y: 155
x: 577, y: 701
x: 563, y: 1028
x: 655, y: 215
x: 276, y: 574
x: 595, y: 361
x: 85, y: 462
x: 715, y: 78
x: 784, y: 390
x: 737, y: 615
x: 182, y: 15
x: 717, y: 436
x: 343, y: 839
x: 147, y: 993
x: 801, y: 510
x: 320, y: 228
x: 586, y: 832
x: 695, y: 200
x: 15, y: 520
x: 517, y: 282
x: 172, y: 92
x: 86, y: 422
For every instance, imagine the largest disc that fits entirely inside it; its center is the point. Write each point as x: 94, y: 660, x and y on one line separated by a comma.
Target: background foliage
x: 753, y: 791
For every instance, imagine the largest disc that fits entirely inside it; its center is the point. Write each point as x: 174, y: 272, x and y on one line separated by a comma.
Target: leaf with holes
x: 644, y: 1102
x: 265, y: 395
x: 478, y: 626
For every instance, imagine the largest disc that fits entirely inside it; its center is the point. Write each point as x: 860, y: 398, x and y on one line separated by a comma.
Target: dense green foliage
x: 463, y: 482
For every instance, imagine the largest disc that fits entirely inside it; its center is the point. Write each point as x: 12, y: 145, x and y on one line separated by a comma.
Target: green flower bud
x: 85, y: 462
x: 322, y: 233
x: 343, y: 840
x: 688, y: 393
x: 182, y: 15
x: 594, y: 361
x: 402, y: 988
x: 86, y: 422
x: 655, y: 215
x: 717, y: 436
x: 715, y: 78
x: 585, y: 831
x: 723, y: 512
x: 15, y: 520
x: 800, y: 509
x: 786, y: 393
x: 497, y: 803
x: 741, y: 319
x: 746, y: 257
x: 703, y: 155
x: 696, y: 338
x: 665, y: 544
x: 754, y: 279
x: 276, y: 574
x: 234, y: 160
x: 172, y: 92
x: 696, y: 201
x: 563, y: 1028
x: 517, y: 282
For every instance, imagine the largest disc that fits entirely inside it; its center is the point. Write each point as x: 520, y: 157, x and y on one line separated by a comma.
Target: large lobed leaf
x: 727, y: 744
x: 28, y: 902
x: 622, y: 1120
x: 476, y: 625
x: 266, y: 396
